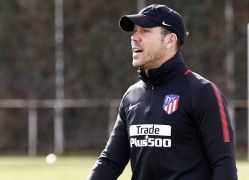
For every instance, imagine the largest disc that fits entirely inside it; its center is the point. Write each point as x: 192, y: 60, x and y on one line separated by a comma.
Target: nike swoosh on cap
x: 165, y: 24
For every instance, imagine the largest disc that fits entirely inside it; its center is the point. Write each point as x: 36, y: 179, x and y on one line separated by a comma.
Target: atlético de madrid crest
x: 170, y: 103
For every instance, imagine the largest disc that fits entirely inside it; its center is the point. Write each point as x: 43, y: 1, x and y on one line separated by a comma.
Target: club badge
x: 170, y: 103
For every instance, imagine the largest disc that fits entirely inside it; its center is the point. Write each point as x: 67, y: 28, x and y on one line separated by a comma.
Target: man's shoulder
x: 195, y: 80
x: 135, y: 86
x: 132, y: 93
x: 198, y: 84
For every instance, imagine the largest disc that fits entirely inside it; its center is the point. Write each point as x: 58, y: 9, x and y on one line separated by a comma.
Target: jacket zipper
x: 151, y: 98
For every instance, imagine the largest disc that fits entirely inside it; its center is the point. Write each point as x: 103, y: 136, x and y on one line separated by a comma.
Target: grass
x: 66, y: 168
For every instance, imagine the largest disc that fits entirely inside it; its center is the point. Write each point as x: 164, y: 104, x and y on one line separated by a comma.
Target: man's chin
x: 136, y: 64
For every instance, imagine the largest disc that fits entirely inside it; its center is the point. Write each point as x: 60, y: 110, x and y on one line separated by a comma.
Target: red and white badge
x: 170, y: 104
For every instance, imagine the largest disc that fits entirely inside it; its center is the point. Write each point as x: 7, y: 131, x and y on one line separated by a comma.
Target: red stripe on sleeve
x: 223, y: 118
x: 187, y: 72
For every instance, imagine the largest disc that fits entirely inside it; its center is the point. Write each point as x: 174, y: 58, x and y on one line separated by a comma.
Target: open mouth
x: 137, y: 50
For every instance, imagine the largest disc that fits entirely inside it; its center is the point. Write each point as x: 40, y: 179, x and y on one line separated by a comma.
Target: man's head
x: 158, y: 33
x: 156, y: 15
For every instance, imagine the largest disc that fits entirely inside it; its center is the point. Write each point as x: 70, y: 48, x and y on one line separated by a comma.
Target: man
x: 173, y: 124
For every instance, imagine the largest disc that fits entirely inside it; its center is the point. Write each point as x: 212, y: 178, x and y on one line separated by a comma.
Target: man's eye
x: 146, y: 30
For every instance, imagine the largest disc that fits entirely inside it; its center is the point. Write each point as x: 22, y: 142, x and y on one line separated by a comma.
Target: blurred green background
x: 97, y: 65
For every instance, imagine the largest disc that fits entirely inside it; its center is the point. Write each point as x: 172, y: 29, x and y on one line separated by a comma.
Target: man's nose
x: 135, y: 37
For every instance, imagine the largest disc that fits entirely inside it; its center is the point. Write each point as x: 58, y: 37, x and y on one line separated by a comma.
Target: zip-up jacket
x: 172, y: 125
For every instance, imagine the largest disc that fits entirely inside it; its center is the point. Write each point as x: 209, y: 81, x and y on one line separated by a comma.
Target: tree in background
x: 97, y: 60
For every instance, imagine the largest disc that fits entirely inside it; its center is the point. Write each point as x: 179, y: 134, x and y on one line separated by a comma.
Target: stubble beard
x: 149, y: 60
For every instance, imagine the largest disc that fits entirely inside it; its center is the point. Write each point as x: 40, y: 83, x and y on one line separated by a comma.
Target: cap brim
x: 127, y: 22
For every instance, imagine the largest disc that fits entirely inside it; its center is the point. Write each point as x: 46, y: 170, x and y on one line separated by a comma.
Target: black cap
x: 156, y: 15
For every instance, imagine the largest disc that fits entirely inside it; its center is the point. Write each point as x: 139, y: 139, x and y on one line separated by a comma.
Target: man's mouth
x: 137, y: 50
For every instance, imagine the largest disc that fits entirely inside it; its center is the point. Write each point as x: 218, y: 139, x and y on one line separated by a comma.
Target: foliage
x: 98, y: 59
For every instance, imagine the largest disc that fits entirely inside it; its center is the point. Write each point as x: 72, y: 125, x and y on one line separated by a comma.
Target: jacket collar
x: 166, y: 71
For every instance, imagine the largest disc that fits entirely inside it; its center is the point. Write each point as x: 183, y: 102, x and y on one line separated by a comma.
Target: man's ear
x: 170, y: 40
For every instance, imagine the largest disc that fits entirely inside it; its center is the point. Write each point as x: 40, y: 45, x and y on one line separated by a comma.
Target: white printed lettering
x: 150, y: 142
x: 150, y: 129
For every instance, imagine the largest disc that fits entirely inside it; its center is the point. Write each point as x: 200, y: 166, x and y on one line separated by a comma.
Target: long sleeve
x: 116, y: 154
x: 216, y: 131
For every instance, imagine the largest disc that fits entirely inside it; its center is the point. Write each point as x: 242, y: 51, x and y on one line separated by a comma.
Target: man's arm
x: 116, y: 154
x: 216, y: 131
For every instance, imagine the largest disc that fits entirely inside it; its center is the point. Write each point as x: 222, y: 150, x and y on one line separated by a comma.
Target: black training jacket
x: 171, y: 126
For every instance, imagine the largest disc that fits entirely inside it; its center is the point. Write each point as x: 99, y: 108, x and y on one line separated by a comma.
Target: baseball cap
x: 156, y: 15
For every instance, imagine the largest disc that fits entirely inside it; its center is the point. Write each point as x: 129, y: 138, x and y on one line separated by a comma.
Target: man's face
x: 147, y: 47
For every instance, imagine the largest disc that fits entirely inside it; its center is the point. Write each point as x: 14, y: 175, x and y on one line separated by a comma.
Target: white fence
x: 33, y: 104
